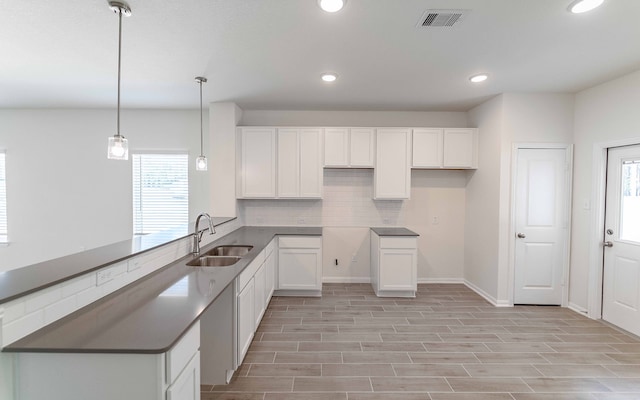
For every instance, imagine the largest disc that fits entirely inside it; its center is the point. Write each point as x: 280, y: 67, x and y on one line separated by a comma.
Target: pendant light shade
x: 118, y: 146
x: 201, y: 161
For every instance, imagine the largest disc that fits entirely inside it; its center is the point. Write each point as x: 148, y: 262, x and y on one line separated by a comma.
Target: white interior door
x: 621, y: 278
x: 541, y: 219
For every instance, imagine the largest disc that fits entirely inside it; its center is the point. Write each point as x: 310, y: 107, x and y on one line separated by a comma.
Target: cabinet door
x: 257, y: 163
x: 187, y: 385
x: 460, y: 148
x: 336, y: 147
x: 427, y: 148
x: 270, y: 279
x: 392, y: 175
x: 259, y: 294
x: 398, y: 269
x: 245, y: 319
x: 288, y: 163
x: 310, y: 159
x: 299, y: 269
x: 362, y: 148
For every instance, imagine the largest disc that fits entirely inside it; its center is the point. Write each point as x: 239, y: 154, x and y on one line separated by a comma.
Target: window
x: 3, y: 200
x: 160, y: 192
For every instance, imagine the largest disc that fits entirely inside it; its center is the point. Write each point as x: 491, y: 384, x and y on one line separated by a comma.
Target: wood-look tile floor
x: 446, y: 344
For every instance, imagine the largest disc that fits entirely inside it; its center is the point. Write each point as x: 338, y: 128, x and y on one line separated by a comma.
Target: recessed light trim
x: 582, y: 6
x: 479, y: 78
x: 329, y: 77
x: 331, y: 6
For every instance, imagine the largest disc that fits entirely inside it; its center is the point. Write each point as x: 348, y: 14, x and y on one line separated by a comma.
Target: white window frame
x: 4, y: 218
x: 179, y: 218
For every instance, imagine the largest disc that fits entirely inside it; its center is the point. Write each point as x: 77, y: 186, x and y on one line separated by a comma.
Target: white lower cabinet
x: 254, y: 288
x: 246, y: 321
x: 270, y: 265
x: 300, y: 265
x: 174, y: 375
x: 394, y: 265
x: 187, y: 385
x: 260, y: 288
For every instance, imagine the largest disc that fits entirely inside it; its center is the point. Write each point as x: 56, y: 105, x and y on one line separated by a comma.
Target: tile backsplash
x: 347, y: 201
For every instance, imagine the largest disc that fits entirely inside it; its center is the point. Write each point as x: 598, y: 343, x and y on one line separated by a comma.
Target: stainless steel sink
x: 236, y: 251
x: 213, y: 261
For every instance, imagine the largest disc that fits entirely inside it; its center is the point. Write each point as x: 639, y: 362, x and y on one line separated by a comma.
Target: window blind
x: 3, y: 199
x: 160, y: 192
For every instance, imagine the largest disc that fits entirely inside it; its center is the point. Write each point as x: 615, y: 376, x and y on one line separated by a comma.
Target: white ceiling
x: 269, y: 54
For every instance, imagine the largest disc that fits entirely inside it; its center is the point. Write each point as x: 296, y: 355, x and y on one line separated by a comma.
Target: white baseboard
x: 440, y: 280
x: 346, y: 279
x: 487, y: 296
x: 580, y: 310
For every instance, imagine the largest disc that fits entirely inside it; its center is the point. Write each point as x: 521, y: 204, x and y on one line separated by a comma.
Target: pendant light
x: 118, y: 148
x: 201, y: 162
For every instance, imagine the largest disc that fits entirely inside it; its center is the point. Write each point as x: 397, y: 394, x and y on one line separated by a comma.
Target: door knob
x: 521, y: 235
x: 607, y: 244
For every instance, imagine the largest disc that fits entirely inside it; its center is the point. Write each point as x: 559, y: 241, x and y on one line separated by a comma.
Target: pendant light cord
x: 201, y: 134
x: 119, y: 63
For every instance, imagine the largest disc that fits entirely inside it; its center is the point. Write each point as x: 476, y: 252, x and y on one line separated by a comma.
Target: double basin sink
x: 221, y: 256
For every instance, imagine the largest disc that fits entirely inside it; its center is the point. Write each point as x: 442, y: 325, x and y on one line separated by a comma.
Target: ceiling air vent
x: 442, y: 18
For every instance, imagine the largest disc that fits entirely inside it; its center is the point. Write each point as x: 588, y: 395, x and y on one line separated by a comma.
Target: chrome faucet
x: 197, y: 234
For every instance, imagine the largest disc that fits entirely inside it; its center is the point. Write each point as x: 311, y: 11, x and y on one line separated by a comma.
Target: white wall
x: 604, y: 113
x: 504, y: 121
x: 63, y: 194
x: 482, y: 219
x: 222, y: 158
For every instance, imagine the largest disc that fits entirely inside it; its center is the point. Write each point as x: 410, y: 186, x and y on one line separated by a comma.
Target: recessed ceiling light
x: 331, y: 5
x: 329, y: 77
x: 581, y: 6
x: 478, y: 78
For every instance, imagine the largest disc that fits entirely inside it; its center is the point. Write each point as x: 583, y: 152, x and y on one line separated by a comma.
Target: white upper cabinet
x: 445, y: 148
x: 336, y: 147
x: 349, y: 147
x: 460, y: 148
x: 300, y: 163
x: 256, y: 163
x: 392, y: 174
x: 428, y: 145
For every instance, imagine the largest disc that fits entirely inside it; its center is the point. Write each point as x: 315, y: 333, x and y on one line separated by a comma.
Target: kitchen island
x: 142, y: 340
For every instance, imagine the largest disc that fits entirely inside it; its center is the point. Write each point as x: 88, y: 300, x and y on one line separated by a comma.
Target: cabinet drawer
x: 398, y: 243
x: 180, y: 354
x: 298, y: 242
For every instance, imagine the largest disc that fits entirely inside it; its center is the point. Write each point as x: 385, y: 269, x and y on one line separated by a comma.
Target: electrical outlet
x: 435, y: 220
x: 133, y: 264
x: 301, y: 221
x: 104, y: 276
x: 353, y: 258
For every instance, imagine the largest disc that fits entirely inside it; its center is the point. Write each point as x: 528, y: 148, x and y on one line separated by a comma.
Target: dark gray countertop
x: 387, y: 231
x: 23, y: 281
x: 151, y: 314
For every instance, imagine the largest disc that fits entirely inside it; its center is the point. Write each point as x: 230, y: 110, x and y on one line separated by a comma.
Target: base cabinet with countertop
x: 163, y: 336
x: 174, y: 375
x: 299, y: 266
x: 254, y: 288
x: 394, y: 262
